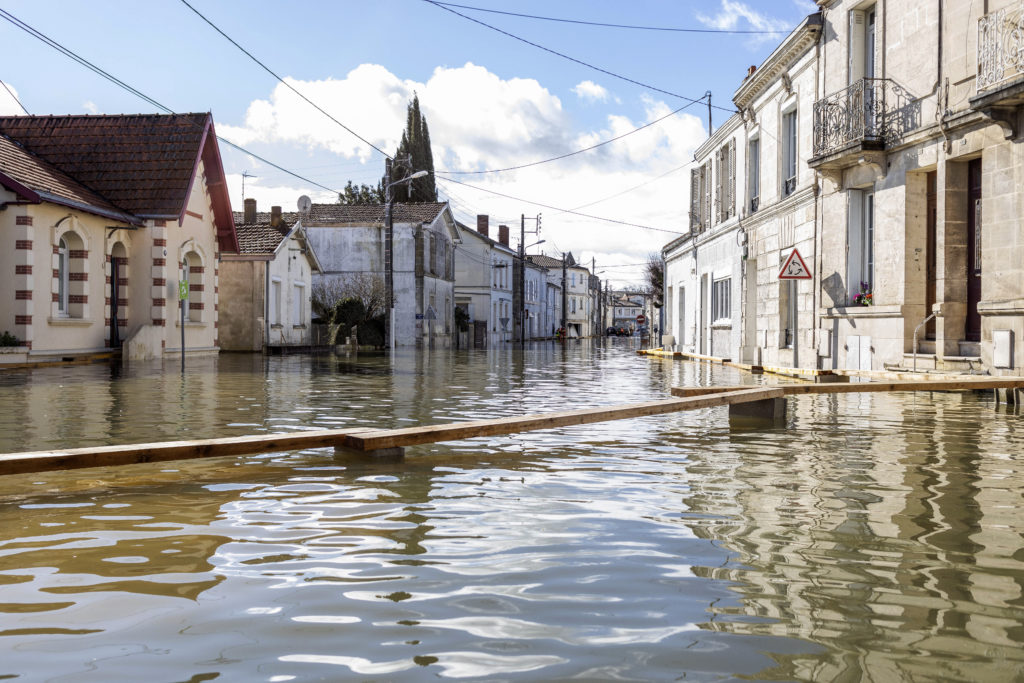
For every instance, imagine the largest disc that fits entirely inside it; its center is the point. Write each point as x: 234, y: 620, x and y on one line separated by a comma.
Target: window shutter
x: 732, y: 177
x: 719, y: 204
x: 707, y: 195
x: 694, y: 199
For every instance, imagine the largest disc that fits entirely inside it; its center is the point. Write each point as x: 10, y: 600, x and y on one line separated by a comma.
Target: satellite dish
x: 305, y: 204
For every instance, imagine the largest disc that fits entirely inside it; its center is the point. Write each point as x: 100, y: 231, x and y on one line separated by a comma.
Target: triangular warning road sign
x: 794, y: 268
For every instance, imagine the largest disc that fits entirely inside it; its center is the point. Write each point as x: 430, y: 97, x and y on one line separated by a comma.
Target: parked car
x: 611, y: 332
x: 624, y: 332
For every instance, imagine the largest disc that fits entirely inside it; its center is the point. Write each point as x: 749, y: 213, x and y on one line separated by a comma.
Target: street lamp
x: 389, y: 239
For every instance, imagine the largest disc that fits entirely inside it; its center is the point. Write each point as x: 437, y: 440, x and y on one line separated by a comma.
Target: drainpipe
x: 266, y: 305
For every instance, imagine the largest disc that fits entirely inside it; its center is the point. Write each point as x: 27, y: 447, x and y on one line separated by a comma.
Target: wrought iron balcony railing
x: 1000, y: 46
x: 872, y: 112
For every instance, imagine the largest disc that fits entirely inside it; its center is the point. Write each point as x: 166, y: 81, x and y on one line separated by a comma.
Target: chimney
x: 250, y: 211
x: 483, y: 225
x: 751, y: 70
x: 503, y: 234
x: 275, y: 216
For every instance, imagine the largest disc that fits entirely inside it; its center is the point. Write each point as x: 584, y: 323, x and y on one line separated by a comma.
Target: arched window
x: 192, y: 272
x: 62, y: 277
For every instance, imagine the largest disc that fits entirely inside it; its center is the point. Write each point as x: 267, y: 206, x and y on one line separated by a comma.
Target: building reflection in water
x: 885, y: 530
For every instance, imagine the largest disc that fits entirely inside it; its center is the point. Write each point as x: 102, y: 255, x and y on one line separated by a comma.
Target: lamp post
x: 389, y: 242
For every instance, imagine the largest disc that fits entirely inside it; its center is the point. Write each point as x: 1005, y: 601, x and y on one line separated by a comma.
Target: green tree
x: 655, y: 272
x: 361, y: 194
x: 416, y: 143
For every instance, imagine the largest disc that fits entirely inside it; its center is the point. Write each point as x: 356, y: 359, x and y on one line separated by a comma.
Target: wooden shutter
x: 706, y: 222
x: 695, y: 199
x: 732, y: 178
x: 719, y: 204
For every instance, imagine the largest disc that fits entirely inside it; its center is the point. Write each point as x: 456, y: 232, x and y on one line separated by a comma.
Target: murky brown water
x: 876, y: 537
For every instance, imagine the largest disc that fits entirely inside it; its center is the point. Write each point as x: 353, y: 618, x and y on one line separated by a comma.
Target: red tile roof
x: 20, y: 170
x: 371, y: 214
x: 143, y: 163
x: 259, y: 237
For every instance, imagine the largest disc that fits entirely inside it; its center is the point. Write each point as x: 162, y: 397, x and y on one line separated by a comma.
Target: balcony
x: 1000, y: 78
x: 860, y: 121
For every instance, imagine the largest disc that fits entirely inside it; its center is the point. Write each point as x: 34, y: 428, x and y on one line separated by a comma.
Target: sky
x: 513, y: 92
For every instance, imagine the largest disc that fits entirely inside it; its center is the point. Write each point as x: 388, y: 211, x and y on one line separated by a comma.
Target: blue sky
x: 491, y: 101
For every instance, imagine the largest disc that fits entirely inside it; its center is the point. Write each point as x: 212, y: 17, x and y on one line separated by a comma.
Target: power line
x: 635, y: 187
x: 15, y: 98
x: 555, y: 208
x: 571, y: 59
x: 285, y: 83
x: 579, y: 151
x: 116, y: 81
x: 629, y: 26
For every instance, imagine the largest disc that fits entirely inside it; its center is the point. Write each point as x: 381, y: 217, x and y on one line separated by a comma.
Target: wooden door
x: 972, y: 330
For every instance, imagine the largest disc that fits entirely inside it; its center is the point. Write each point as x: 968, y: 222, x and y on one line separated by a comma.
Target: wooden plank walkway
x: 863, y: 387
x: 364, y: 439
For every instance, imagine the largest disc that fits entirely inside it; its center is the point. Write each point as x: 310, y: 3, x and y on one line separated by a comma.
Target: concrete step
x: 969, y: 349
x: 925, y: 361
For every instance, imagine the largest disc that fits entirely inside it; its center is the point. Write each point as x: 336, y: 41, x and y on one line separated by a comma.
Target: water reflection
x: 874, y: 537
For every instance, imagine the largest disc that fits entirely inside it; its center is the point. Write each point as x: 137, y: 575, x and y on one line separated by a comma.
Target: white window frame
x: 789, y: 140
x: 721, y: 300
x: 860, y: 248
x: 754, y: 173
x: 275, y: 302
x: 63, y: 278
x: 298, y: 301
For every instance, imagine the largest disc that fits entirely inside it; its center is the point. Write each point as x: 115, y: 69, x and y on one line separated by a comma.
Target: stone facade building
x: 918, y: 147
x: 349, y: 241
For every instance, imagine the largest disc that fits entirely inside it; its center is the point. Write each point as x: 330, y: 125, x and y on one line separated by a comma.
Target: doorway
x: 931, y: 278
x: 972, y: 327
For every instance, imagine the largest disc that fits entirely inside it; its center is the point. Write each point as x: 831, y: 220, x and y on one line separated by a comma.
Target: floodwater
x: 874, y: 537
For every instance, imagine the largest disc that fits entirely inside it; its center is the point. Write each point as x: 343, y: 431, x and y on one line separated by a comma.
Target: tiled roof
x: 51, y: 184
x: 545, y: 261
x: 372, y: 214
x: 259, y: 237
x: 142, y: 163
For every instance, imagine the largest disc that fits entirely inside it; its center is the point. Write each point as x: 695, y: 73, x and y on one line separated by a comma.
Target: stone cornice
x: 783, y: 57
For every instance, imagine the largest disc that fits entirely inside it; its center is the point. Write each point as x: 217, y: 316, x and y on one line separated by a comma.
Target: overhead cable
x: 579, y: 151
x: 556, y: 208
x: 15, y: 98
x: 116, y: 81
x: 629, y: 26
x: 284, y: 82
x: 565, y: 56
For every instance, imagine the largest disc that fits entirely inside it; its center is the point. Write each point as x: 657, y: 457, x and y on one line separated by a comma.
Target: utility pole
x: 519, y: 293
x: 389, y: 264
x: 708, y: 93
x: 565, y: 297
x: 593, y: 313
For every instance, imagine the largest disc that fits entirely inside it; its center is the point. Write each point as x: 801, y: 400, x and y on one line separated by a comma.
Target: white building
x: 751, y: 204
x: 483, y: 283
x: 267, y: 284
x: 349, y: 241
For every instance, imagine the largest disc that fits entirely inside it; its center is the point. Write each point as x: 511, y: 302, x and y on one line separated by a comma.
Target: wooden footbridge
x: 763, y: 402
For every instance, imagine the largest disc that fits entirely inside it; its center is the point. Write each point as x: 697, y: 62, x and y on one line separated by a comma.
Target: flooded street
x: 876, y: 536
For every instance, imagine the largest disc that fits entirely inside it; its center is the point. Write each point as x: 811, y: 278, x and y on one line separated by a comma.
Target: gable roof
x: 544, y: 261
x: 494, y: 244
x: 34, y: 180
x: 373, y: 214
x: 143, y: 163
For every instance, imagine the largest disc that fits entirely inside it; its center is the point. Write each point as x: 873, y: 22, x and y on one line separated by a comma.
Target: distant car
x: 611, y: 332
x: 624, y: 332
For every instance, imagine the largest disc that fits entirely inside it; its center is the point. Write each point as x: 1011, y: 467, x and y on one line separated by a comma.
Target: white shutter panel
x: 695, y: 199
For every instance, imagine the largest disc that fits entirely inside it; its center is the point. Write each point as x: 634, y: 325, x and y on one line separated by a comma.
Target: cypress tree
x: 416, y: 143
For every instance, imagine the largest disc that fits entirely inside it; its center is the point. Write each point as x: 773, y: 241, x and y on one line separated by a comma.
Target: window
x: 700, y: 198
x: 573, y: 303
x: 298, y: 304
x: 789, y: 153
x: 860, y: 264
x: 275, y: 302
x: 754, y: 172
x: 725, y: 181
x: 62, y: 277
x: 721, y: 308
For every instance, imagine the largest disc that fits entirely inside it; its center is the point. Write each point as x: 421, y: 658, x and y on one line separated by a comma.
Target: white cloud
x: 8, y: 103
x: 481, y: 121
x: 734, y: 13
x: 588, y: 90
x: 90, y: 107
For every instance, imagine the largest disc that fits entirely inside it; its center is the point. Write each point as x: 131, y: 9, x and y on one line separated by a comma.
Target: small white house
x: 266, y: 287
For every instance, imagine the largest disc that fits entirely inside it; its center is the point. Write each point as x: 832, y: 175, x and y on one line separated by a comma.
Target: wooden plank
x: 129, y: 454
x: 412, y: 436
x: 865, y: 387
x: 105, y: 456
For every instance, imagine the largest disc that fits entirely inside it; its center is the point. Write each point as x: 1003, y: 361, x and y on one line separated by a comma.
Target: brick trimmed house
x: 103, y: 216
x: 268, y: 282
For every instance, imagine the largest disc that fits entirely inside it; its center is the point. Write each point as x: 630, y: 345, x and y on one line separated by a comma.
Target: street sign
x: 182, y: 290
x: 795, y: 268
x: 640, y: 319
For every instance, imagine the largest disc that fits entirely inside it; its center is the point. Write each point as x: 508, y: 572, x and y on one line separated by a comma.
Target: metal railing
x: 1000, y: 46
x: 875, y: 110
